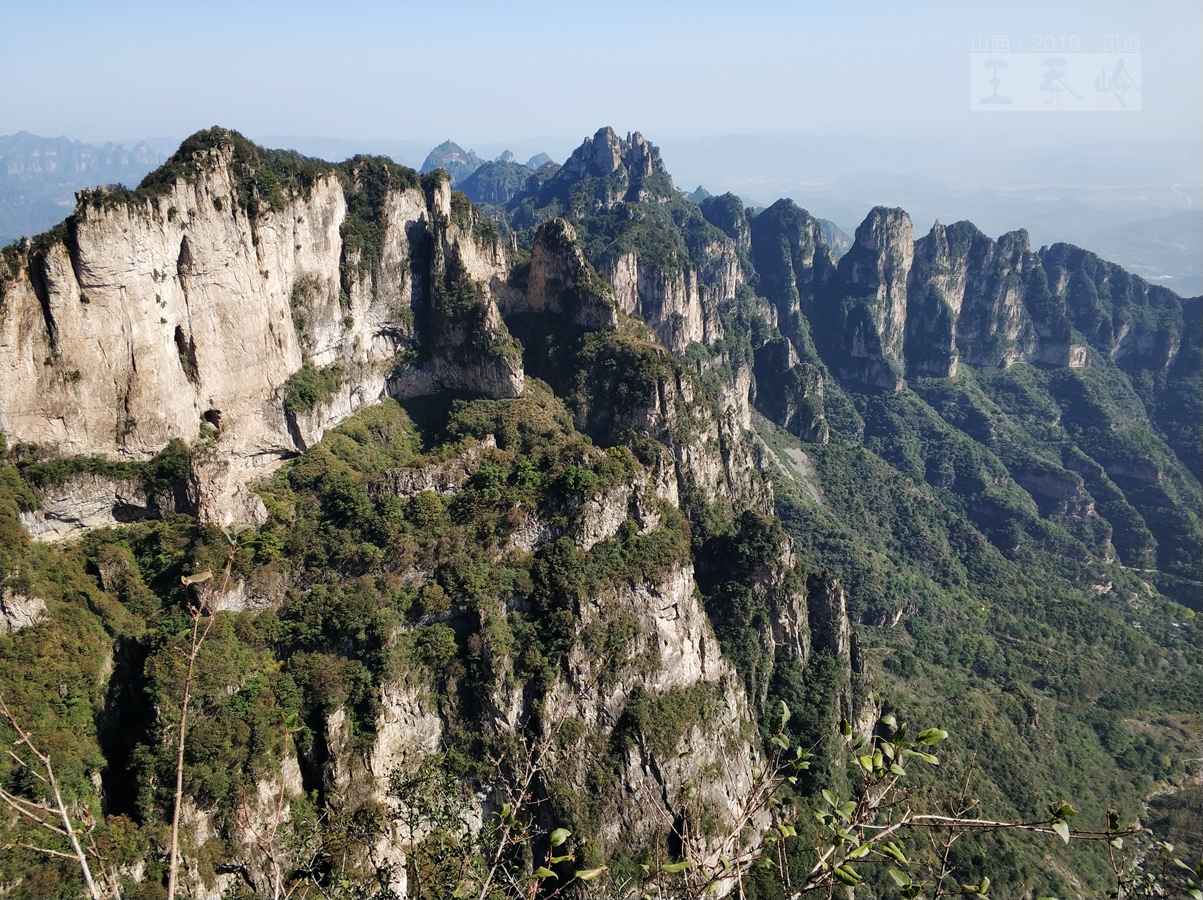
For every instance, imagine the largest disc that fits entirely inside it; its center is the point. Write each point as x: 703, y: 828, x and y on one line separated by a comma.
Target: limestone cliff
x: 863, y: 335
x: 202, y: 300
x: 560, y: 280
x: 669, y: 301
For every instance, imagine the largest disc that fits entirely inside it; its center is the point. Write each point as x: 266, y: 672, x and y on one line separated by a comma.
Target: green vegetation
x: 307, y: 386
x: 367, y: 181
x: 1018, y: 550
x: 263, y: 178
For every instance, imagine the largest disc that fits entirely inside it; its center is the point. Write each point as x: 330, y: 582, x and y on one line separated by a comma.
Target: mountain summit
x: 453, y: 159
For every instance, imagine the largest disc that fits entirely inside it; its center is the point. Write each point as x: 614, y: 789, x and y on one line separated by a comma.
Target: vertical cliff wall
x: 219, y: 301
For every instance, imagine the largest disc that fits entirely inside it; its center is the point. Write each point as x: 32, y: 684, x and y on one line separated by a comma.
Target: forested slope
x: 550, y: 531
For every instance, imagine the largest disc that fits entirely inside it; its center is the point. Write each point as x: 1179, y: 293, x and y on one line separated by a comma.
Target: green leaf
x: 784, y: 713
x: 1062, y: 828
x: 932, y: 736
x: 896, y: 769
x: 847, y: 874
x: 197, y: 578
x: 894, y: 851
x: 888, y: 719
x: 900, y: 879
x: 861, y: 851
x: 555, y: 860
x: 846, y: 809
x: 559, y: 836
x: 985, y: 886
x: 845, y: 727
x: 928, y: 758
x: 674, y: 868
x: 830, y: 798
x: 543, y: 872
x: 589, y: 874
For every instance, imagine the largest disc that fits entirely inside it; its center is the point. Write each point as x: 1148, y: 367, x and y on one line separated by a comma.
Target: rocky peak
x: 458, y: 162
x: 561, y: 280
x: 615, y: 170
x: 870, y: 288
x: 598, y: 155
x: 727, y: 214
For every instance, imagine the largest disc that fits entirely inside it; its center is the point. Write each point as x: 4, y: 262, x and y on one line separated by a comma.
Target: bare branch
x: 67, y: 830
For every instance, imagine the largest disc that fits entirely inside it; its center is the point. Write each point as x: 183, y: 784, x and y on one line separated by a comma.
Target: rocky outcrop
x: 152, y: 313
x: 668, y: 301
x: 18, y: 611
x: 614, y: 170
x: 864, y: 337
x: 727, y: 213
x: 560, y: 280
x: 711, y: 455
x: 88, y: 501
x: 981, y: 284
x: 1139, y: 325
x: 637, y: 646
x: 671, y: 657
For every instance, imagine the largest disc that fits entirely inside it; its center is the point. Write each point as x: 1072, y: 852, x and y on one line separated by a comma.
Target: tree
x: 43, y: 811
x: 196, y: 611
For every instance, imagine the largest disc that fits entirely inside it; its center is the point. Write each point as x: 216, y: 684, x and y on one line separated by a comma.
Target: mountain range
x: 529, y: 507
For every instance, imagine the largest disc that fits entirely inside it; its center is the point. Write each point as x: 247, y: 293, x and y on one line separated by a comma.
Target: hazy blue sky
x: 487, y: 73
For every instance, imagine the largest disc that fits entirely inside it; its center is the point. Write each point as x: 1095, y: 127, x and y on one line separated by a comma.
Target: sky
x: 838, y: 105
x: 496, y: 72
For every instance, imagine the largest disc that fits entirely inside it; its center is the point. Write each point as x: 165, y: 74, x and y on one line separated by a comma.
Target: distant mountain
x: 1164, y: 250
x: 457, y: 162
x: 496, y: 182
x: 837, y: 239
x: 42, y: 174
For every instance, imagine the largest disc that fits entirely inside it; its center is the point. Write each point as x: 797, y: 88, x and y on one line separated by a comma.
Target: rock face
x: 152, y: 314
x: 864, y: 337
x: 639, y: 647
x: 561, y: 280
x: 18, y: 611
x: 668, y: 301
x: 671, y: 628
x: 88, y: 501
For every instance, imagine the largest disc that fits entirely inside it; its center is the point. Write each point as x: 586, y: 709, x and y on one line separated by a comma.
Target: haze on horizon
x: 487, y: 73
x: 841, y: 106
